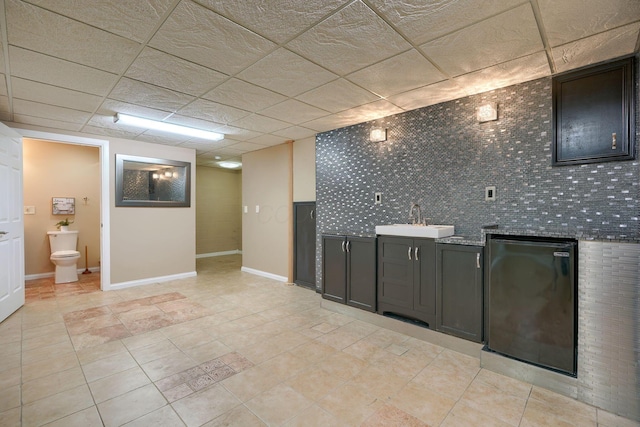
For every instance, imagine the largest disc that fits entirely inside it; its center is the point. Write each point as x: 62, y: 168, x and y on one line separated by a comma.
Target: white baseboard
x: 265, y: 274
x: 212, y: 254
x: 150, y: 280
x: 52, y: 273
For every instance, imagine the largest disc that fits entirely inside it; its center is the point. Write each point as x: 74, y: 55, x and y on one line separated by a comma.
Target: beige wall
x: 60, y: 170
x: 304, y: 170
x: 266, y: 182
x: 151, y: 242
x: 218, y: 211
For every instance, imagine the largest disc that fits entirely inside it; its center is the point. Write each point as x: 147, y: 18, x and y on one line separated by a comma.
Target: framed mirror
x: 150, y: 182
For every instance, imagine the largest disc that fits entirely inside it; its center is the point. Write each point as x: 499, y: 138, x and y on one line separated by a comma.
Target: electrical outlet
x: 490, y: 193
x: 378, y: 198
x: 246, y: 209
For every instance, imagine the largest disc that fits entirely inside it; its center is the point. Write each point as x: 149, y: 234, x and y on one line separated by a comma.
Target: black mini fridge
x: 532, y: 301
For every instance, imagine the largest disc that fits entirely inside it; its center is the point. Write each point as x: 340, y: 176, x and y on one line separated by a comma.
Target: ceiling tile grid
x: 266, y: 71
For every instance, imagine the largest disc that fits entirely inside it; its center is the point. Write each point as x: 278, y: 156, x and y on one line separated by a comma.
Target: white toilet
x: 64, y: 255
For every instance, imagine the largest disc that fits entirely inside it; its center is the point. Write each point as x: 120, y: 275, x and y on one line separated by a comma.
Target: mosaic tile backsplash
x: 441, y: 158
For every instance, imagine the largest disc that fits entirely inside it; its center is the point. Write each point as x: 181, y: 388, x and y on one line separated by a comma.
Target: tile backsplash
x: 441, y: 158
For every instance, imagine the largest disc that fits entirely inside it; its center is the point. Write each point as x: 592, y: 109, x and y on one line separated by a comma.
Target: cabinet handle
x: 348, y: 245
x: 409, y: 253
x: 614, y: 141
x: 343, y: 246
x: 415, y: 253
x: 312, y: 214
x: 478, y: 260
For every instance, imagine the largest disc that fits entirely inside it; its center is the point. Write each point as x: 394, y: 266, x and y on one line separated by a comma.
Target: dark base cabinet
x: 349, y: 270
x: 460, y: 290
x: 406, y: 278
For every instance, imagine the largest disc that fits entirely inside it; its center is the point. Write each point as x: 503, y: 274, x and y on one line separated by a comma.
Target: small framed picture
x: 63, y: 206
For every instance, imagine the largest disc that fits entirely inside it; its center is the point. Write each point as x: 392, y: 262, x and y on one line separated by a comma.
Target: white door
x: 11, y: 223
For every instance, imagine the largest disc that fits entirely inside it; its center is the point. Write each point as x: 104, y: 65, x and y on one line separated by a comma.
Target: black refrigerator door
x: 532, y: 302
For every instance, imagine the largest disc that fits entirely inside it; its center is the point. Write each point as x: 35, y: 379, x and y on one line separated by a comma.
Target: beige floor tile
x: 607, y: 419
x: 86, y: 418
x: 11, y: 418
x: 163, y: 417
x: 379, y: 382
x: 52, y: 384
x: 192, y: 339
x: 423, y: 404
x: 46, y: 340
x: 314, y: 351
x: 57, y: 406
x: 350, y: 404
x: 315, y: 416
x: 114, y: 385
x: 10, y: 377
x: 44, y: 368
x: 250, y: 383
x: 131, y: 405
x: 89, y: 355
x: 57, y: 328
x: 342, y: 365
x: 463, y: 416
x: 339, y: 339
x: 508, y: 385
x: 143, y: 340
x: 154, y: 351
x: 11, y: 361
x: 278, y: 404
x: 492, y: 401
x: 545, y: 407
x: 239, y: 416
x: 389, y: 415
x: 108, y: 366
x: 364, y: 350
x: 9, y: 398
x: 168, y: 365
x: 205, y: 405
x: 286, y: 365
x: 314, y: 383
x: 450, y: 383
x: 46, y: 352
x: 208, y: 351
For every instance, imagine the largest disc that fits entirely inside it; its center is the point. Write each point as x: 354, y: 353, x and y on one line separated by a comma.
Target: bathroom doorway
x: 77, y: 167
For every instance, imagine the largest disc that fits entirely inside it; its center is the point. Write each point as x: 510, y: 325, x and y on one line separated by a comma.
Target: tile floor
x: 232, y: 349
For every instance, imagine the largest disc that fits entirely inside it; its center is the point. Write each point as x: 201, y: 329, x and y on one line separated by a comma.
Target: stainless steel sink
x: 410, y: 230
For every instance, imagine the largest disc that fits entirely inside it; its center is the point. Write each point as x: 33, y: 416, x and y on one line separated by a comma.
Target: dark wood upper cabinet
x: 593, y: 114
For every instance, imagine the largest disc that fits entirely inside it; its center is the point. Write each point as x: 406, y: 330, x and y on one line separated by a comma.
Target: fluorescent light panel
x: 166, y: 127
x: 229, y: 165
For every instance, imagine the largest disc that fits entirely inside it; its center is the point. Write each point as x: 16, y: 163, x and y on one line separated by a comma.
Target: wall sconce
x: 487, y: 112
x: 155, y: 176
x: 168, y: 174
x: 378, y: 135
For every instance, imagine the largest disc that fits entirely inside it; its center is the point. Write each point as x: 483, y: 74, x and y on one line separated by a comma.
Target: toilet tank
x: 63, y: 240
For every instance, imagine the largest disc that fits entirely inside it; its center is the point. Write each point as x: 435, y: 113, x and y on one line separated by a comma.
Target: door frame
x: 105, y: 195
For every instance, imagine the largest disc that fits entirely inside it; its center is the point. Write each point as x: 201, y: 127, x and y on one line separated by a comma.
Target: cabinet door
x: 460, y: 291
x: 361, y: 273
x: 304, y: 265
x: 334, y: 268
x: 395, y: 271
x: 425, y: 279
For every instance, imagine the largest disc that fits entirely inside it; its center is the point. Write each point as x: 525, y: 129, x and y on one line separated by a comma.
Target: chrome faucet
x: 412, y: 215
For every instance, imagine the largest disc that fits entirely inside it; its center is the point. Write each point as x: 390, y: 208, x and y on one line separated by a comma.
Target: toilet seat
x: 64, y: 254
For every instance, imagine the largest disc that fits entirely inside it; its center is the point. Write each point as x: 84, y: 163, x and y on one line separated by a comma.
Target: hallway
x: 231, y: 348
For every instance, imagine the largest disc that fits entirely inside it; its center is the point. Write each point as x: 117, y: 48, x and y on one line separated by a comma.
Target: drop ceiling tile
x: 294, y: 112
x: 3, y: 85
x: 226, y: 152
x: 194, y: 123
x: 66, y: 38
x: 47, y: 123
x: 334, y: 121
x: 269, y: 140
x: 198, y: 34
x: 428, y: 95
x: 140, y: 93
x: 247, y: 96
x: 35, y: 109
x: 236, y: 133
x: 568, y: 20
x: 295, y: 133
x: 510, y: 35
x: 286, y: 73
x: 509, y: 73
x: 134, y: 20
x: 401, y: 73
x: 52, y: 95
x: 5, y: 117
x: 107, y: 132
x: 338, y: 95
x: 111, y: 106
x: 4, y: 104
x: 278, y: 20
x: 58, y: 72
x: 371, y: 111
x: 106, y: 122
x: 171, y: 72
x: 258, y: 123
x: 202, y: 145
x: 167, y: 137
x: 245, y: 147
x: 212, y: 111
x: 601, y: 47
x: 352, y: 38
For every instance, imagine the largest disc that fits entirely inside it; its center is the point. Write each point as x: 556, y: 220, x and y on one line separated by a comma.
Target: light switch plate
x: 490, y: 193
x: 29, y: 210
x: 257, y: 208
x: 378, y: 198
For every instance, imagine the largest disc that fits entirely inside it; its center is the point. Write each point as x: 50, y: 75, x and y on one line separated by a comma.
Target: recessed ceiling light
x: 230, y: 165
x: 217, y: 157
x: 166, y: 127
